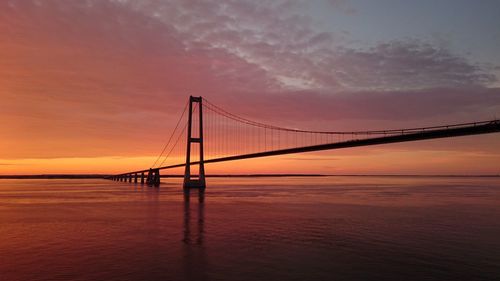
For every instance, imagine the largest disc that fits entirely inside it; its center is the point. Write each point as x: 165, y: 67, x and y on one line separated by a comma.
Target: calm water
x: 336, y: 228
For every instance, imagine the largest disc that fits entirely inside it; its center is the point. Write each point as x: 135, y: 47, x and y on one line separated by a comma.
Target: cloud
x: 278, y: 38
x: 408, y: 64
x: 342, y: 6
x: 112, y: 76
x: 171, y: 47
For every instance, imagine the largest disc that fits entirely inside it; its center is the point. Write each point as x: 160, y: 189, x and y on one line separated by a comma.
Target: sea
x: 272, y: 228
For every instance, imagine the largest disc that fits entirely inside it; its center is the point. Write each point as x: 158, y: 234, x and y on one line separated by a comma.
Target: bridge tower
x: 195, y: 181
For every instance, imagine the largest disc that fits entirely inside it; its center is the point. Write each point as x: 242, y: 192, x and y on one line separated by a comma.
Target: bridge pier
x: 135, y: 178
x: 156, y: 181
x: 150, y: 175
x: 129, y: 177
x: 191, y: 181
x: 153, y: 178
x: 142, y: 178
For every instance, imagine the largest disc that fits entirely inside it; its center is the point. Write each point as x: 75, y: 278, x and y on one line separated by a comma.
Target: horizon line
x: 102, y: 176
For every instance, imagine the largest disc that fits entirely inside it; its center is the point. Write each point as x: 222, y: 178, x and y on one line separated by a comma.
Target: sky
x: 97, y: 86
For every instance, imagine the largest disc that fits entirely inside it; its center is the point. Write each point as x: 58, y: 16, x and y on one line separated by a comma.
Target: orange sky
x: 98, y: 87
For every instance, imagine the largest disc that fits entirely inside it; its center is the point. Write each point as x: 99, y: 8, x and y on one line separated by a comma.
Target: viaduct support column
x: 149, y: 180
x: 156, y: 178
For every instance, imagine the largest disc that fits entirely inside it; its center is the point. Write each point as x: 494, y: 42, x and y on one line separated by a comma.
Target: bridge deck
x: 405, y: 136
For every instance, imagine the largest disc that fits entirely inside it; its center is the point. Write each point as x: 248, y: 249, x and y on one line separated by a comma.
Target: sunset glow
x: 97, y: 86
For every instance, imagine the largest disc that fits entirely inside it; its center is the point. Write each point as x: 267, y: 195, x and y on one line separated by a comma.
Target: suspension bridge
x: 209, y: 134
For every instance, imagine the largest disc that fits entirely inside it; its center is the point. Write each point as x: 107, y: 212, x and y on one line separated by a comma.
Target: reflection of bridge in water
x: 209, y: 134
x: 189, y: 238
x: 195, y: 259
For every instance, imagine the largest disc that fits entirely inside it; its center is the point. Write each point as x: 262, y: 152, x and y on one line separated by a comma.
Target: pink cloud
x: 93, y: 72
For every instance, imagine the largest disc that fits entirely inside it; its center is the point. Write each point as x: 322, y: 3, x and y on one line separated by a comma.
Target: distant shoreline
x: 100, y: 176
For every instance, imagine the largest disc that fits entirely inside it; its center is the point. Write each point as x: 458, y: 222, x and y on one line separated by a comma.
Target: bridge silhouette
x: 209, y: 134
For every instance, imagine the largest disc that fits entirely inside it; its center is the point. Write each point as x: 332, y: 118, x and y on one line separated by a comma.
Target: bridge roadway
x: 407, y: 135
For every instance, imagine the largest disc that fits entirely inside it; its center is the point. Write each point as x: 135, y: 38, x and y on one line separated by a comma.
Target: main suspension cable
x: 177, y: 140
x: 212, y: 107
x: 171, y: 136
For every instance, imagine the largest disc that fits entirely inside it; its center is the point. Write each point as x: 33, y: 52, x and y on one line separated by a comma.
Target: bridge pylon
x: 193, y: 181
x: 153, y: 178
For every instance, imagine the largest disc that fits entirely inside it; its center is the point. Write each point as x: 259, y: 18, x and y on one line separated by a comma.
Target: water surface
x: 328, y: 228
